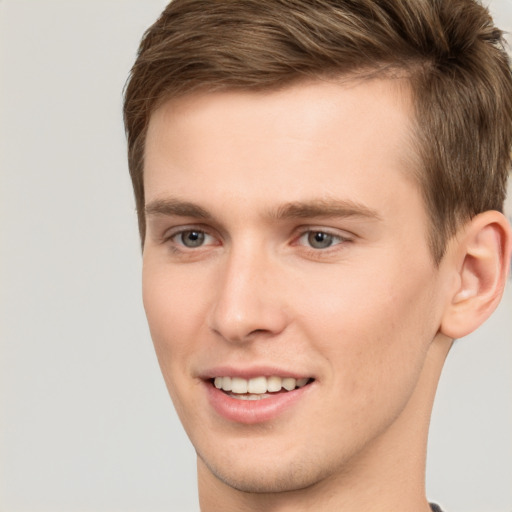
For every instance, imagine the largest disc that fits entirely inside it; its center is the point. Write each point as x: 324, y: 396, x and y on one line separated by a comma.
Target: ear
x: 480, y: 257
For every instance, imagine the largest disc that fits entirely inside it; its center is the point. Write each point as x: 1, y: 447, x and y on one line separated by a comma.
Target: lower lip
x: 253, y: 411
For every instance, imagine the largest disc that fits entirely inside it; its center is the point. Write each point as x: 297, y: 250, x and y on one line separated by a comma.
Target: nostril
x: 244, y: 309
x: 257, y: 331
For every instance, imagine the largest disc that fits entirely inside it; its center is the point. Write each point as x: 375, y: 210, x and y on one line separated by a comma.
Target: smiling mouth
x: 258, y: 388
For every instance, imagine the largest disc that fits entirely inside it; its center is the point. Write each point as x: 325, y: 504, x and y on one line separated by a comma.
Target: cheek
x: 374, y: 328
x: 173, y: 309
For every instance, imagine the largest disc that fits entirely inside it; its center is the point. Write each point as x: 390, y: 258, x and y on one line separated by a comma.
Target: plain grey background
x: 86, y: 423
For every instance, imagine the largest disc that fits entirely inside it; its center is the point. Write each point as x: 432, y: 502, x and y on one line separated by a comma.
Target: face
x: 287, y: 280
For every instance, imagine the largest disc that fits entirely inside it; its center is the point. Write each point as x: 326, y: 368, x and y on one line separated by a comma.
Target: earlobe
x: 481, y: 258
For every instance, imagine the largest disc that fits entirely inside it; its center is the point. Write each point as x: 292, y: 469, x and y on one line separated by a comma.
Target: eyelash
x: 337, y: 240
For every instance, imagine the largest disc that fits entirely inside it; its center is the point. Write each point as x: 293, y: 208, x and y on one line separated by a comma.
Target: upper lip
x: 251, y: 372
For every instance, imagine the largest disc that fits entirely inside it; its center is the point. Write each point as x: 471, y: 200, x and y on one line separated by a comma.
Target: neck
x: 388, y: 475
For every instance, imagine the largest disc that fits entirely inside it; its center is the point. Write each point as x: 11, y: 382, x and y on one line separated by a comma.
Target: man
x: 319, y: 188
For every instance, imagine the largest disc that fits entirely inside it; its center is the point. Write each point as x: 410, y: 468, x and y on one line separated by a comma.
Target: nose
x: 249, y: 300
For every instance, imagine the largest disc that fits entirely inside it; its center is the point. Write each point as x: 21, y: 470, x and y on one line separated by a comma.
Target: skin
x: 367, y: 317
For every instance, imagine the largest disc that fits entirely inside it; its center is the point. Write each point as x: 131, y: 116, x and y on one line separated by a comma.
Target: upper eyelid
x: 338, y: 240
x: 340, y: 233
x: 176, y: 230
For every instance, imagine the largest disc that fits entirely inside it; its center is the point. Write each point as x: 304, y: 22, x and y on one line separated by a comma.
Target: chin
x: 248, y: 477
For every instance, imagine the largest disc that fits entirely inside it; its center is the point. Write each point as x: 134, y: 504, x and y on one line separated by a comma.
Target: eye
x: 192, y: 238
x: 317, y: 239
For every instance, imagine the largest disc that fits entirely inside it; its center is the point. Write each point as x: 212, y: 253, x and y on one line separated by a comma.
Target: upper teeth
x: 258, y: 385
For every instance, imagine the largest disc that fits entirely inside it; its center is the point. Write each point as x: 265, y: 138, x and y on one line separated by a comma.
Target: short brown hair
x: 450, y: 51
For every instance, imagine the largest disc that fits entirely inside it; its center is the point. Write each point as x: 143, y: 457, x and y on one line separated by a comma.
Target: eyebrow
x: 324, y: 208
x: 315, y: 208
x: 175, y: 207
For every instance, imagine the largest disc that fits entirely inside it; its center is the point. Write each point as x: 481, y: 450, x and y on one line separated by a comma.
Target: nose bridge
x: 246, y: 302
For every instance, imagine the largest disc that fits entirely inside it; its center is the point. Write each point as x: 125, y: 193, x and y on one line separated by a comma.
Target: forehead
x: 309, y: 138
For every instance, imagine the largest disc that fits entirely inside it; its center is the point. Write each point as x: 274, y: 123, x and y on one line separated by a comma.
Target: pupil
x: 320, y: 240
